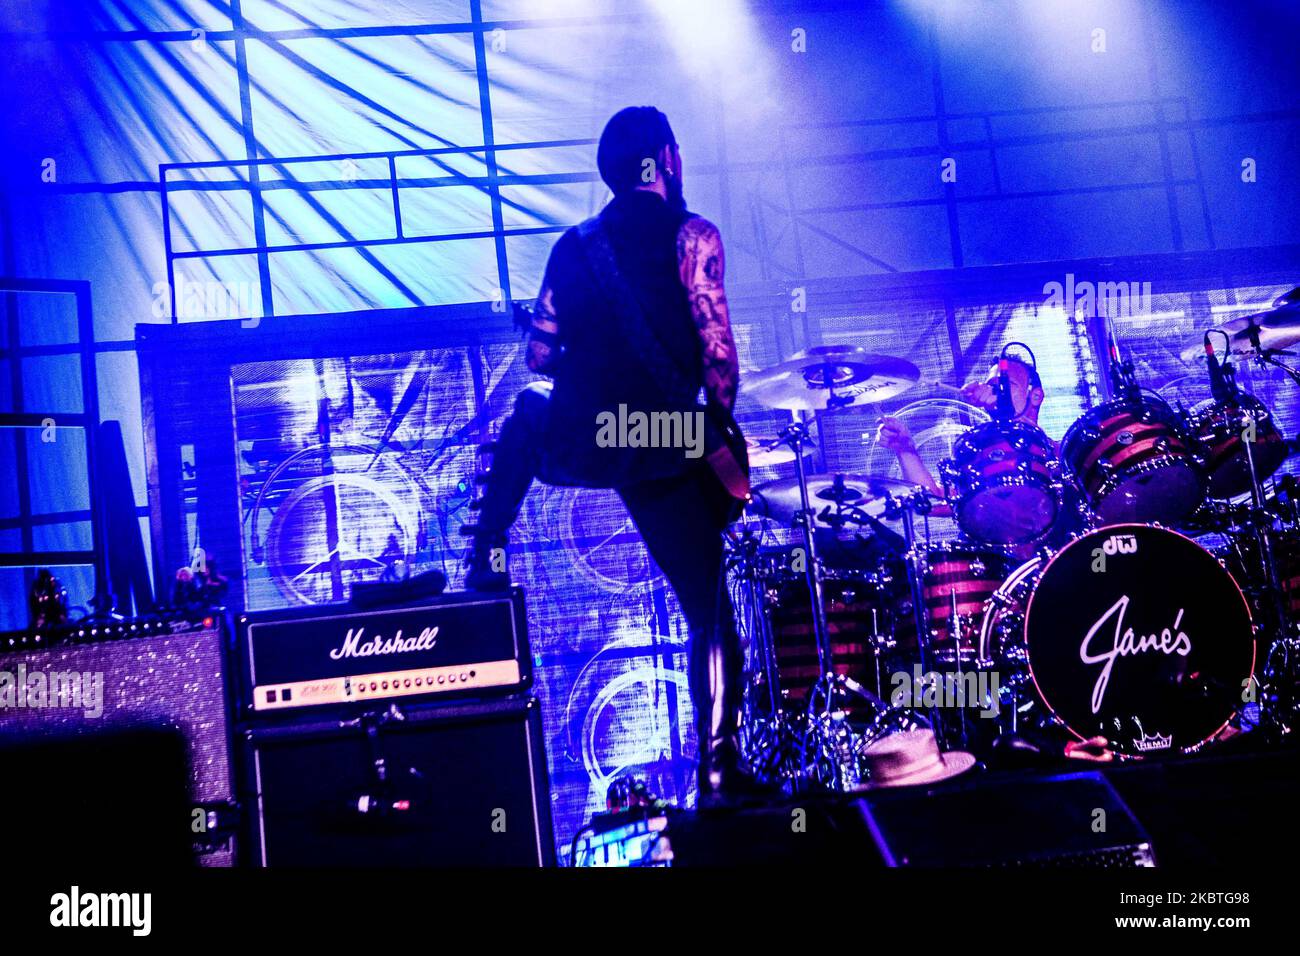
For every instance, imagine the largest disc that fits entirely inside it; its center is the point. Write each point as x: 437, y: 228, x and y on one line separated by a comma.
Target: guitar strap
x: 729, y: 460
x: 631, y: 314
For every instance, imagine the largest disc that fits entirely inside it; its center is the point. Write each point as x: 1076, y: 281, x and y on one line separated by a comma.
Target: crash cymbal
x: 1277, y: 327
x: 831, y: 376
x: 781, y: 499
x: 764, y: 452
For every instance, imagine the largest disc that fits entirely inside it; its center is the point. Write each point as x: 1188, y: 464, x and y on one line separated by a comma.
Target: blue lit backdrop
x: 813, y: 133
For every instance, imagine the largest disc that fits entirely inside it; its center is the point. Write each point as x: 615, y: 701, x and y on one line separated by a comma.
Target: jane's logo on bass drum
x: 1125, y: 643
x: 1120, y: 544
x: 1152, y: 658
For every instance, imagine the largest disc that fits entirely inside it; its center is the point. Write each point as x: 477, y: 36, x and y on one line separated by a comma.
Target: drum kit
x: 1074, y: 600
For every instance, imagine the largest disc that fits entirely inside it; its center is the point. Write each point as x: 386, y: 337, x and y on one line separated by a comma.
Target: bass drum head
x: 1138, y: 634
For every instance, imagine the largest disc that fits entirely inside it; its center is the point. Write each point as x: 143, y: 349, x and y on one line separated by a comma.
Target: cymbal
x: 834, y: 376
x: 781, y: 499
x: 764, y: 452
x: 1278, y: 328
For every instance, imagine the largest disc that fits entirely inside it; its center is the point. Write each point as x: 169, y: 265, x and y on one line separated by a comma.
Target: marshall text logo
x: 352, y: 646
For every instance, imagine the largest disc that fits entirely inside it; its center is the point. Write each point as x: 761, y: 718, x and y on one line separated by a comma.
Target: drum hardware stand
x: 796, y: 436
x: 1266, y: 357
x: 906, y: 508
x: 1278, y: 711
x: 767, y: 740
x: 745, y: 559
x: 880, y: 641
x: 954, y: 627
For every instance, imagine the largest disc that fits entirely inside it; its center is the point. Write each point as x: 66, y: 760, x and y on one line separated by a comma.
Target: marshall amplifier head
x: 457, y: 644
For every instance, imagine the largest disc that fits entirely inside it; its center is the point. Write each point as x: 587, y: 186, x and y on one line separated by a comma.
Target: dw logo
x: 1115, y: 544
x: 1120, y: 544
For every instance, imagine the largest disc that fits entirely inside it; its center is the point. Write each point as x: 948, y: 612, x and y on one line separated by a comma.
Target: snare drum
x: 1221, y: 428
x: 1003, y: 474
x: 1134, y: 462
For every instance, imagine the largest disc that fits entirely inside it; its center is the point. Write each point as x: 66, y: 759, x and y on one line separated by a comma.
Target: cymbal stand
x: 1280, y: 705
x: 818, y: 733
x: 906, y: 507
x: 1267, y: 357
x: 796, y: 436
x: 826, y: 739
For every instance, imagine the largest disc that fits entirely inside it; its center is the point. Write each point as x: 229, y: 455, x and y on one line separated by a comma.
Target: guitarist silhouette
x: 632, y: 320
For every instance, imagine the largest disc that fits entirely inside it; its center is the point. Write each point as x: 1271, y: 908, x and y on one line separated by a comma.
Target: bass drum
x: 1131, y: 632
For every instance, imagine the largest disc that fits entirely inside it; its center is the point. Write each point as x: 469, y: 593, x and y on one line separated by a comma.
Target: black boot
x: 486, y: 568
x: 723, y: 779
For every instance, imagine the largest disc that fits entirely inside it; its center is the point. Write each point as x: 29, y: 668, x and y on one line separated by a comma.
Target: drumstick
x: 944, y: 387
x: 960, y: 393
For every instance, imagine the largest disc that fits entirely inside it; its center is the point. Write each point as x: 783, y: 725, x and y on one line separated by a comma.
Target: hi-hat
x: 831, y: 376
x: 1277, y: 328
x: 781, y: 499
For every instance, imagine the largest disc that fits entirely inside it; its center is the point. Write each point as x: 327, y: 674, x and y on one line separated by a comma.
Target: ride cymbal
x: 831, y: 376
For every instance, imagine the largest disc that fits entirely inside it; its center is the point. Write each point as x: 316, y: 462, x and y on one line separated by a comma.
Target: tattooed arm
x: 701, y: 262
x: 542, y: 345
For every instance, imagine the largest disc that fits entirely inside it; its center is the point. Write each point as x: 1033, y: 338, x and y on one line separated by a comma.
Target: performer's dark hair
x: 631, y: 136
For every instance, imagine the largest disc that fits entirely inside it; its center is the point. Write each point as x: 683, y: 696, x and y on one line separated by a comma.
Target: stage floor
x: 1208, y: 810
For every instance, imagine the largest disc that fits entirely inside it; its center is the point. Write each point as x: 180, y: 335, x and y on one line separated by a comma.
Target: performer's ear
x: 670, y: 160
x: 1035, y: 397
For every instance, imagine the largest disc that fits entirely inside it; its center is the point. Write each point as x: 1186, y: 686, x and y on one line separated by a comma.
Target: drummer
x: 1026, y: 391
x: 1026, y: 388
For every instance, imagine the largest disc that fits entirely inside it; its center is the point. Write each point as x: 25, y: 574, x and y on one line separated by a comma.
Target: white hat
x: 911, y: 757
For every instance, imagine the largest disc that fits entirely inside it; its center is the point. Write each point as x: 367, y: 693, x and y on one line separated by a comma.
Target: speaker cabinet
x: 73, y: 684
x: 112, y: 796
x: 432, y: 785
x: 1075, y: 820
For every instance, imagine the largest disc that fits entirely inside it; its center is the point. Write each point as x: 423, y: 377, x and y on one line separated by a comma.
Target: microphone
x: 1005, y: 408
x: 1219, y: 386
x: 1122, y: 379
